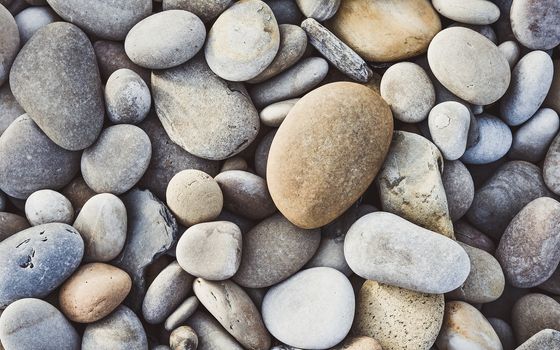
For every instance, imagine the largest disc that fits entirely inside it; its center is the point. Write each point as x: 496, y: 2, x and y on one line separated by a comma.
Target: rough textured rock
x: 494, y: 141
x: 459, y: 188
x: 533, y: 313
x: 449, y: 128
x: 127, y: 97
x: 532, y: 140
x: 9, y: 108
x: 536, y: 23
x: 211, y: 335
x: 46, y: 206
x: 469, y: 11
x: 9, y: 39
x: 545, y: 339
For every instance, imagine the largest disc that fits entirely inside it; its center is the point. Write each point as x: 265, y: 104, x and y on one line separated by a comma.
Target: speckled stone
x: 211, y: 335
x: 459, y: 188
x: 127, y: 97
x: 183, y: 338
x: 11, y: 224
x: 532, y: 140
x: 319, y: 10
x: 533, y: 313
x: 468, y: 11
x: 494, y: 141
x: 182, y: 313
x: 466, y: 233
x: 31, y: 19
x: 9, y: 108
x: 9, y: 39
x: 358, y: 343
x: 111, y: 57
x: 545, y: 339
x: 536, y: 23
x: 504, y: 332
x: 449, y: 124
x: 46, y: 206
x: 551, y: 170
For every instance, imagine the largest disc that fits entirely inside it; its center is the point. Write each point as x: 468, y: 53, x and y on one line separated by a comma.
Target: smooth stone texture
x: 9, y: 108
x: 35, y: 324
x: 469, y: 65
x: 313, y: 309
x: 449, y: 128
x: 399, y: 319
x: 533, y: 313
x: 320, y: 10
x: 426, y: 262
x: 211, y: 250
x: 93, y: 292
x: 9, y: 42
x: 235, y: 311
x: 245, y: 52
x: 504, y: 332
x: 358, y: 343
x: 107, y: 19
x: 35, y: 261
x: 261, y: 153
x: 552, y: 284
x: 410, y: 183
x: 294, y: 82
x: 553, y: 98
x: 46, y: 206
x: 532, y: 140
x: 285, y: 11
x: 274, y: 250
x: 11, y: 224
x: 551, y: 170
x: 211, y: 335
x: 545, y: 339
x: 317, y: 166
x: 536, y: 24
x: 183, y: 338
x: 78, y: 193
x: 165, y: 294
x: 274, y: 114
x: 70, y: 111
x: 468, y: 11
x: 485, y: 30
x: 127, y: 97
x: 511, y: 51
x: 459, y: 188
x: 234, y: 163
x: 206, y: 10
x: 494, y: 141
x: 466, y: 233
x: 202, y: 113
x: 384, y: 31
x: 181, y: 313
x: 464, y: 327
x: 112, y: 57
x: 122, y: 330
x: 31, y: 19
x: 166, y: 39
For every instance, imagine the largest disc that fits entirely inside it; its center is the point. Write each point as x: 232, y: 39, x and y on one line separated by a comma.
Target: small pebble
x: 127, y: 97
x: 533, y: 313
x: 459, y: 189
x: 449, y: 127
x: 234, y: 163
x: 32, y: 19
x: 468, y: 11
x: 494, y: 141
x: 511, y: 51
x: 182, y: 313
x: 78, y: 193
x: 532, y: 140
x: 211, y: 335
x: 46, y: 206
x: 183, y: 338
x: 274, y: 114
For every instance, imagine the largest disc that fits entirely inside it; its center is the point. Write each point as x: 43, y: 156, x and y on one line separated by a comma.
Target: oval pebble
x: 535, y: 23
x: 183, y: 338
x: 511, y: 51
x: 127, y: 97
x: 211, y: 335
x: 459, y: 188
x: 320, y: 10
x: 533, y: 313
x: 494, y: 141
x: 274, y: 114
x: 46, y: 206
x: 545, y: 339
x: 9, y: 37
x: 468, y: 11
x: 551, y: 170
x: 449, y: 127
x: 182, y: 313
x: 532, y: 140
x: 31, y: 19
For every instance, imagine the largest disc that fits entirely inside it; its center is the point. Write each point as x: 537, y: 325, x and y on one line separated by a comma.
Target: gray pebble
x: 9, y: 42
x: 78, y: 192
x: 485, y: 30
x: 459, y: 188
x: 551, y: 168
x: 46, y: 206
x: 9, y: 108
x: 494, y: 141
x: 285, y: 11
x: 468, y: 11
x: 449, y: 127
x: 32, y: 19
x: 532, y: 140
x: 511, y: 51
x: 243, y: 223
x: 206, y: 10
x: 3, y: 201
x: 536, y: 23
x: 261, y: 153
x: 504, y: 332
x: 545, y: 339
x: 321, y: 10
x: 182, y: 313
x: 111, y: 57
x: 183, y: 338
x: 211, y: 335
x: 127, y: 97
x: 11, y: 224
x: 533, y: 313
x: 466, y: 233
x: 274, y: 114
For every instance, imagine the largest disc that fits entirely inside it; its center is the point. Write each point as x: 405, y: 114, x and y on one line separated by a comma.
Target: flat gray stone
x: 459, y: 188
x: 532, y: 140
x: 9, y: 42
x: 494, y: 141
x: 536, y: 23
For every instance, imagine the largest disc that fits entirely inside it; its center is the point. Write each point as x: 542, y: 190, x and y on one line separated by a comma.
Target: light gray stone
x: 274, y: 114
x: 182, y: 313
x: 46, y: 206
x: 32, y: 19
x: 511, y: 51
x: 449, y: 127
x: 127, y: 97
x: 494, y: 141
x: 468, y: 11
x: 536, y: 23
x: 321, y: 10
x: 532, y: 140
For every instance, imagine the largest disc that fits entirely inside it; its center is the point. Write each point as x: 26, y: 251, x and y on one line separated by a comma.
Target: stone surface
x: 274, y: 114
x: 319, y: 10
x: 533, y: 313
x: 358, y: 343
x: 211, y: 335
x: 449, y: 128
x: 261, y: 153
x: 234, y: 163
x: 46, y: 206
x: 31, y: 19
x: 183, y: 338
x: 127, y: 97
x: 11, y: 224
x: 551, y: 168
x: 536, y: 24
x: 504, y: 332
x: 494, y: 141
x: 459, y: 188
x: 111, y: 57
x: 511, y: 51
x: 182, y: 313
x: 206, y: 10
x: 10, y: 40
x: 285, y: 11
x: 9, y: 108
x: 470, y: 11
x: 545, y: 339
x: 532, y: 140
x: 466, y: 233
x: 78, y: 193
x: 553, y: 98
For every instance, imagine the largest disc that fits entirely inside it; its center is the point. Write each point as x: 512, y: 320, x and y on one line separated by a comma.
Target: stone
x: 105, y: 170
x: 35, y: 261
x: 205, y: 10
x: 234, y: 163
x: 358, y: 343
x: 410, y: 183
x: 533, y: 313
x: 398, y: 318
x: 313, y: 309
x: 286, y: 12
x: 320, y: 10
x: 274, y: 250
x: 459, y: 188
x: 31, y: 19
x: 469, y: 65
x: 121, y: 330
x: 165, y: 39
x: 93, y: 292
x: 511, y: 51
x: 182, y: 313
x: 466, y: 233
x: 183, y: 338
x: 504, y: 332
x: 211, y: 335
x: 35, y: 324
x: 472, y: 11
x: 205, y: 115
x: 503, y: 305
x: 46, y: 206
x: 449, y: 127
x: 386, y: 32
x: 545, y: 339
x: 532, y: 140
x: 244, y: 53
x: 274, y: 114
x: 235, y: 311
x: 11, y: 224
x: 127, y: 97
x: 56, y: 80
x: 302, y: 164
x: 553, y: 98
x: 10, y: 42
x: 552, y: 284
x: 112, y: 57
x: 78, y: 193
x: 494, y: 141
x: 551, y: 170
x: 261, y: 153
x: 107, y: 19
x: 536, y: 24
x: 9, y: 108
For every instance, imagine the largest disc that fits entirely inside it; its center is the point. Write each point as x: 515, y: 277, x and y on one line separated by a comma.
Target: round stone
x: 449, y: 127
x: 468, y: 11
x: 532, y: 140
x: 535, y: 23
x: 9, y: 39
x: 206, y: 10
x: 459, y: 188
x: 46, y: 206
x: 183, y: 338
x: 182, y: 313
x: 494, y: 141
x: 533, y: 313
x: 127, y: 97
x: 32, y: 19
x: 319, y: 10
x: 511, y: 50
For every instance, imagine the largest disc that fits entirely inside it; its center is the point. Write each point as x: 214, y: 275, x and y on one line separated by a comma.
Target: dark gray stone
x: 206, y: 10
x: 285, y: 11
x: 504, y: 332
x: 261, y: 153
x: 465, y: 233
x: 459, y: 188
x: 9, y: 42
x: 9, y: 108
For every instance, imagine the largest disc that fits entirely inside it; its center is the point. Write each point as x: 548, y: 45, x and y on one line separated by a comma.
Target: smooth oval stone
x: 468, y: 11
x: 167, y: 291
x: 102, y: 223
x: 464, y: 327
x: 9, y: 39
x: 274, y: 114
x: 235, y: 311
x: 274, y: 250
x: 427, y: 262
x: 382, y: 32
x: 553, y: 98
x: 469, y: 65
x: 211, y: 335
x: 512, y: 186
x: 485, y: 30
x: 530, y: 81
x: 545, y: 339
x: 536, y: 24
x: 56, y: 80
x: 206, y: 10
x: 552, y: 284
x: 108, y: 19
x: 410, y: 183
x: 211, y: 250
x: 93, y: 292
x: 235, y: 163
x: 511, y: 51
x: 105, y: 170
x: 127, y: 97
x: 35, y: 261
x: 314, y: 178
x: 532, y: 140
x: 46, y: 206
x: 165, y: 39
x: 467, y: 234
x: 533, y: 313
x: 313, y: 309
x: 449, y: 127
x: 202, y: 113
x: 551, y: 170
x: 183, y: 338
x: 358, y: 343
x: 529, y: 250
x: 11, y: 224
x: 246, y: 194
x: 293, y: 82
x: 245, y: 52
x: 261, y: 153
x: 398, y: 318
x: 182, y: 313
x: 35, y: 324
x: 459, y: 188
x: 9, y: 108
x: 320, y: 10
x: 494, y: 141
x: 112, y: 57
x: 31, y: 19
x: 504, y: 332
x: 121, y: 330
x: 285, y: 11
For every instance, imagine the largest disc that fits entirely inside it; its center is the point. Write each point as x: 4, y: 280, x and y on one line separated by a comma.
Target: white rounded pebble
x: 274, y: 114
x: 511, y: 51
x: 127, y: 97
x: 46, y: 206
x: 449, y: 127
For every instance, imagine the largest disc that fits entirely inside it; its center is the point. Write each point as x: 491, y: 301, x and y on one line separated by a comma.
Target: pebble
x: 168, y: 290
x: 205, y: 10
x: 410, y: 183
x: 111, y: 57
x: 358, y: 343
x: 545, y: 339
x: 78, y: 193
x: 205, y: 115
x: 427, y: 262
x: 536, y: 23
x: 11, y: 224
x: 533, y: 313
x: 551, y: 170
x: 121, y: 330
x: 35, y: 261
x: 459, y: 188
x: 273, y: 115
x: 386, y: 32
x: 320, y: 10
x: 9, y: 108
x: 552, y: 284
x: 127, y: 97
x: 504, y: 332
x: 511, y: 51
x: 35, y: 324
x: 93, y: 292
x: 399, y: 319
x: 46, y: 206
x: 466, y: 233
x: 274, y: 250
x: 183, y: 338
x: 449, y: 127
x: 166, y: 39
x: 470, y: 11
x: 350, y: 116
x: 110, y: 20
x: 313, y: 309
x: 10, y: 40
x: 234, y: 163
x: 211, y: 250
x: 485, y: 30
x: 469, y: 65
x: 409, y: 92
x: 182, y: 313
x: 494, y: 141
x: 31, y: 19
x: 235, y: 311
x: 285, y: 11
x: 70, y: 111
x: 553, y: 98
x: 244, y: 53
x: 211, y: 335
x: 464, y: 327
x: 261, y: 153
x: 532, y: 140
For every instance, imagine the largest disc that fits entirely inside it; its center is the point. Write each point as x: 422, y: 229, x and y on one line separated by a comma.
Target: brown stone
x: 358, y: 343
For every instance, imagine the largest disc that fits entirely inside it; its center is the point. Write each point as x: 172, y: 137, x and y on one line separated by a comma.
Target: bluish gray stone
x: 532, y: 139
x: 494, y: 141
x: 285, y: 11
x: 32, y: 19
x: 9, y: 42
x: 9, y: 108
x: 459, y: 188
